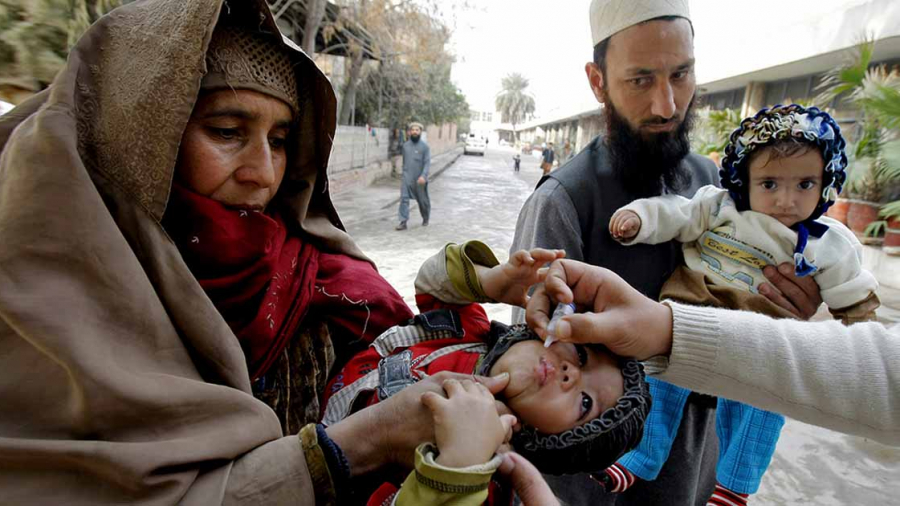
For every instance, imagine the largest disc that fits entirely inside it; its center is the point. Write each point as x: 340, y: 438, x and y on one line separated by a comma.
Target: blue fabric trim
x: 337, y: 462
x: 802, y: 266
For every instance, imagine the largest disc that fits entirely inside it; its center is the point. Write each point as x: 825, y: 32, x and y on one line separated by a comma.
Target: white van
x: 475, y: 144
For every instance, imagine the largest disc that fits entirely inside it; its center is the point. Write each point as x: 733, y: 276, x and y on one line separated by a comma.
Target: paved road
x: 479, y: 198
x: 475, y: 198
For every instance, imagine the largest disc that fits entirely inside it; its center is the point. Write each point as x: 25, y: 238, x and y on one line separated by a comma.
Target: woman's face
x: 561, y: 387
x: 233, y: 149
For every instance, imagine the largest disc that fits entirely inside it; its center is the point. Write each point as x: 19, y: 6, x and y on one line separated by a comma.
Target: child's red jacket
x: 454, y: 339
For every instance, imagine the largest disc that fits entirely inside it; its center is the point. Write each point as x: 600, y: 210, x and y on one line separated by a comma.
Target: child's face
x: 787, y: 189
x: 561, y: 387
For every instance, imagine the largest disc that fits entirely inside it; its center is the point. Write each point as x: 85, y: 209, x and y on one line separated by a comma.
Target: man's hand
x: 798, y: 295
x: 527, y: 481
x: 619, y: 317
x: 422, y: 180
x: 390, y: 431
x: 467, y: 428
x: 624, y: 225
x: 509, y: 282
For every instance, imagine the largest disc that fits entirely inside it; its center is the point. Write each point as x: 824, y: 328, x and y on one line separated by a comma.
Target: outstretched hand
x: 509, y: 282
x: 624, y: 225
x: 617, y: 315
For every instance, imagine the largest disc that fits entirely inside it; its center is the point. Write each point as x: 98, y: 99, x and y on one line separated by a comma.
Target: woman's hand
x: 509, y: 282
x: 389, y: 432
x: 618, y: 316
x: 467, y: 427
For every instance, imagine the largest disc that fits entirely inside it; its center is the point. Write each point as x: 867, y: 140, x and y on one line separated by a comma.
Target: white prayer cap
x: 609, y: 17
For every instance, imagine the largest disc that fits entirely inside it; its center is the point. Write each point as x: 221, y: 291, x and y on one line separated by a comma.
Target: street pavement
x: 480, y: 198
x: 475, y: 198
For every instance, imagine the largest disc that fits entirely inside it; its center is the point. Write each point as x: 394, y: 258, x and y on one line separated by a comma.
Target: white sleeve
x: 822, y: 373
x: 843, y: 282
x: 674, y: 217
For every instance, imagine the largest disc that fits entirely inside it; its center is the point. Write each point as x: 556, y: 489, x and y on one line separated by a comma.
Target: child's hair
x: 781, y: 149
x: 594, y: 445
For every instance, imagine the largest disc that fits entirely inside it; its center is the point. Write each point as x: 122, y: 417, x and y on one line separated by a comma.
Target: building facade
x: 780, y: 66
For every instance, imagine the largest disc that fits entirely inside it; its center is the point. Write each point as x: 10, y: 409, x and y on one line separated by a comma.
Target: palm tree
x: 514, y: 104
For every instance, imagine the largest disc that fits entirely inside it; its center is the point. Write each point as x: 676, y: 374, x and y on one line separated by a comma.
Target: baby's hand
x: 467, y: 428
x: 624, y: 225
x: 509, y: 282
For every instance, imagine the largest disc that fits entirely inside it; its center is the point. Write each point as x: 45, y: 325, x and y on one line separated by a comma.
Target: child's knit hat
x: 779, y: 123
x: 596, y: 444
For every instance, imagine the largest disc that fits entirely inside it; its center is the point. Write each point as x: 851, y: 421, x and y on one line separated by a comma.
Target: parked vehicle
x: 475, y: 144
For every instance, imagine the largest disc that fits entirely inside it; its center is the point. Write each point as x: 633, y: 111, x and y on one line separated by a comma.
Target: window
x: 731, y: 99
x: 793, y: 90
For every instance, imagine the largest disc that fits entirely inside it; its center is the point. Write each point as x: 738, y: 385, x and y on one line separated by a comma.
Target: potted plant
x: 880, y: 96
x: 890, y: 212
x: 865, y: 194
x: 876, y: 155
x: 839, y: 209
x: 891, y: 215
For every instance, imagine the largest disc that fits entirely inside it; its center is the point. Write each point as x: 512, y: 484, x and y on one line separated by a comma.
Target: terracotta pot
x: 838, y: 210
x: 860, y: 214
x: 891, y: 244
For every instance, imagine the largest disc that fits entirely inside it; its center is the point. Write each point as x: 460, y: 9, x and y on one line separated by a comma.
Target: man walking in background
x: 416, y: 162
x: 547, y: 156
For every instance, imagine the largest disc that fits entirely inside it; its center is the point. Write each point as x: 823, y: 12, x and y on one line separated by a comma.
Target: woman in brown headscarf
x: 169, y: 257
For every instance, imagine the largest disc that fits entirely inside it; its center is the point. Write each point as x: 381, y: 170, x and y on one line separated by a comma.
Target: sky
x: 549, y: 43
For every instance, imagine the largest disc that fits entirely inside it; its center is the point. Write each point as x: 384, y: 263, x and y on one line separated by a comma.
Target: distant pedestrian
x: 416, y: 162
x: 517, y: 162
x: 547, y: 156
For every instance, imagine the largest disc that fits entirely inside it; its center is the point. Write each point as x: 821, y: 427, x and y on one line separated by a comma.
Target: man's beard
x: 647, y: 163
x: 414, y: 138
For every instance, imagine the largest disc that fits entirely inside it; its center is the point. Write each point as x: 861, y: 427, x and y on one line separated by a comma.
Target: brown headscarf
x: 121, y: 382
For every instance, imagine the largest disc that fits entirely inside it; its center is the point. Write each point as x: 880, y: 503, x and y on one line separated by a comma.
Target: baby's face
x: 787, y: 189
x: 561, y: 387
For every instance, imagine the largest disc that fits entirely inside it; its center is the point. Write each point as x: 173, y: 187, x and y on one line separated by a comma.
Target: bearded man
x: 643, y: 77
x: 416, y: 162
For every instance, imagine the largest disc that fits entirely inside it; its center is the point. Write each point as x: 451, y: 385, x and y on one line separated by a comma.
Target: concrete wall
x: 356, y: 147
x: 358, y: 158
x: 588, y: 128
x: 441, y: 138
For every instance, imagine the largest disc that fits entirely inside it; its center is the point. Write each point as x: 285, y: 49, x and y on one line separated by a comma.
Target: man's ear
x: 595, y: 80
